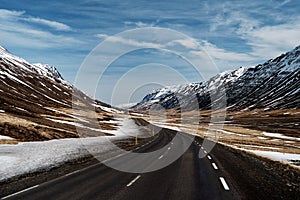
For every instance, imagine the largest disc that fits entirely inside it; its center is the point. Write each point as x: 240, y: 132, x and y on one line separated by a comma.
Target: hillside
x: 36, y: 103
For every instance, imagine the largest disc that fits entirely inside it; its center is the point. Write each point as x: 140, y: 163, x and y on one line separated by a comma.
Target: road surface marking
x: 169, y: 148
x: 205, y: 151
x: 208, y: 157
x: 72, y: 173
x: 214, y: 165
x: 224, y: 183
x: 161, y: 157
x: 134, y: 180
x: 201, y: 147
x: 20, y: 192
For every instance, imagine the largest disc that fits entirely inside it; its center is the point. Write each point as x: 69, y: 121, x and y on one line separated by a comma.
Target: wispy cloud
x: 14, y: 30
x: 224, y: 55
x: 140, y: 24
x: 52, y: 24
x: 269, y: 41
x: 129, y: 41
x: 187, y: 43
x: 265, y: 41
x: 285, y: 2
x: 101, y: 36
x: 8, y: 14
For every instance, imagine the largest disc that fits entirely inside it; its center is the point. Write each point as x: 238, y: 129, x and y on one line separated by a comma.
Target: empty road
x: 189, y: 177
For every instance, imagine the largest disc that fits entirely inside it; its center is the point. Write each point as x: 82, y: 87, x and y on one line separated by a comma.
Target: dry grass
x: 243, y: 129
x: 3, y: 141
x: 46, y: 126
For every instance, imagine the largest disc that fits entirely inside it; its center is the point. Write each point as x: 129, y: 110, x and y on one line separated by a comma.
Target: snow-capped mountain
x: 36, y: 102
x: 184, y: 96
x: 272, y: 85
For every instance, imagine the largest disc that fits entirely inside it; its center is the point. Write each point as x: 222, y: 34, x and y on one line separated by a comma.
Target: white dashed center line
x: 224, y: 183
x: 214, y: 165
x: 205, y: 151
x: 134, y: 180
x: 209, y: 157
x: 201, y: 147
x: 161, y: 157
x: 169, y: 148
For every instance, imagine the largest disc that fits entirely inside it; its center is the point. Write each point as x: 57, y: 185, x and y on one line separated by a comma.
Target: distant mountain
x: 272, y: 85
x: 36, y: 102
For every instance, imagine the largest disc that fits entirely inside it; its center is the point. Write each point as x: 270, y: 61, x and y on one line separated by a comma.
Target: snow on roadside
x: 288, y: 158
x: 26, y: 157
x: 278, y: 156
x: 126, y: 127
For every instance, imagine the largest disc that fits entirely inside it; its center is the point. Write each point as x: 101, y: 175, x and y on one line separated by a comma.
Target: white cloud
x: 266, y: 41
x: 52, y: 24
x: 101, y: 36
x: 270, y: 41
x: 161, y: 42
x: 285, y: 2
x: 7, y: 14
x: 14, y: 32
x: 140, y: 24
x: 187, y: 43
x: 20, y: 16
x: 234, y: 20
x: 222, y: 54
x: 135, y: 43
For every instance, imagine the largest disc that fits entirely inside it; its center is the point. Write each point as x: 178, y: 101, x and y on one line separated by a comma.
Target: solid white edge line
x: 72, y: 173
x: 20, y: 192
x: 134, y: 180
x: 161, y: 157
x: 208, y: 157
x: 214, y: 165
x: 224, y: 183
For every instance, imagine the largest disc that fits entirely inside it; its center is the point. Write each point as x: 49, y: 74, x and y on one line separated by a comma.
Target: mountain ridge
x: 246, y: 88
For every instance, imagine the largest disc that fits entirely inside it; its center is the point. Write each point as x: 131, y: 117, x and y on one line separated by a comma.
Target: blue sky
x: 233, y: 33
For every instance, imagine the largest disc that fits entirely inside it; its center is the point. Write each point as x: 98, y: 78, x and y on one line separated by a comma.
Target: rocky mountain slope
x: 36, y: 103
x: 272, y: 85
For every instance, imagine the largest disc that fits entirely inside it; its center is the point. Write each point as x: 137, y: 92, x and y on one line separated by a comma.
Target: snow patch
x: 278, y: 135
x: 279, y: 156
x: 4, y: 137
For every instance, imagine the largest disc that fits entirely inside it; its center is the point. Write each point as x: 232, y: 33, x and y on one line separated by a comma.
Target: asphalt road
x: 189, y: 177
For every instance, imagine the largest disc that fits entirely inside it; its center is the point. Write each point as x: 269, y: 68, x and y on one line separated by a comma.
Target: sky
x: 64, y: 33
